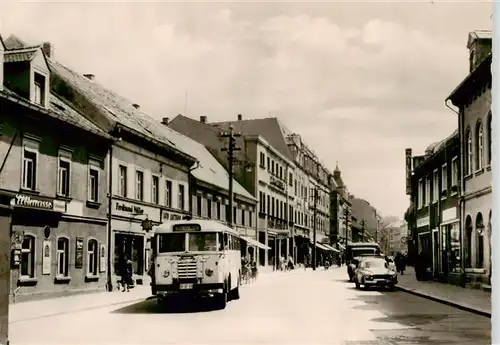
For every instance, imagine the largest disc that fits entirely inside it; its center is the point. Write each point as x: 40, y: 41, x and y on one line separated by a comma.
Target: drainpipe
x: 110, y: 207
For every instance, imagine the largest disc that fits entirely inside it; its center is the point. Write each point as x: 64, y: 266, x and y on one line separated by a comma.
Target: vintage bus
x: 197, y: 258
x: 358, y: 249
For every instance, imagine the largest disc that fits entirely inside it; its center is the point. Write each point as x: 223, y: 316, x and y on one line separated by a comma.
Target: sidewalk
x: 475, y: 301
x: 29, y: 310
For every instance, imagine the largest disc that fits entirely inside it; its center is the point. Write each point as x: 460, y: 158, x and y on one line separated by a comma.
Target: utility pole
x: 346, y: 218
x: 363, y: 230
x: 230, y: 158
x: 376, y: 231
x: 314, y: 227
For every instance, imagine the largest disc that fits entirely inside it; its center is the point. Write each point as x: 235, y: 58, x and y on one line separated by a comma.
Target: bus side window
x: 231, y: 242
x: 153, y: 245
x: 226, y: 241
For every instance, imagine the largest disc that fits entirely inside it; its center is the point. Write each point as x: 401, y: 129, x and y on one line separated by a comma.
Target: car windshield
x: 203, y: 242
x: 375, y: 264
x: 169, y: 243
x: 364, y: 251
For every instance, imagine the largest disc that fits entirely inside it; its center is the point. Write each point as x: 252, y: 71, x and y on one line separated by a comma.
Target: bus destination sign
x: 186, y: 227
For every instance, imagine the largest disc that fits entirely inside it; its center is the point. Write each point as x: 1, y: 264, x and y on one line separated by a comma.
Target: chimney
x: 89, y: 76
x: 240, y: 117
x: 48, y: 49
x: 136, y: 106
x: 203, y: 119
x: 165, y: 121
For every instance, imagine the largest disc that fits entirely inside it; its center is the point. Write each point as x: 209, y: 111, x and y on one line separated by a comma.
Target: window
x: 290, y: 179
x: 155, y: 192
x: 62, y: 256
x: 30, y: 166
x: 39, y: 96
x: 218, y: 210
x: 28, y: 257
x: 63, y: 176
x: 235, y: 215
x: 92, y: 257
x: 421, y: 196
x: 168, y: 193
x: 435, y: 186
x: 444, y: 178
x: 243, y: 217
x: 268, y: 163
x: 198, y: 206
x: 468, y: 152
x: 123, y: 181
x: 427, y: 190
x: 488, y: 133
x: 454, y: 172
x: 139, y: 185
x: 272, y: 167
x: 249, y: 219
x: 180, y: 200
x: 479, y: 146
x: 93, y: 184
x: 268, y: 205
x: 209, y: 208
x: 262, y: 160
x: 281, y: 172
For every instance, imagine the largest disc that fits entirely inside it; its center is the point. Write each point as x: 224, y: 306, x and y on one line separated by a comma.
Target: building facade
x: 149, y: 172
x: 52, y: 188
x: 340, y: 211
x: 473, y: 100
x: 434, y: 216
x: 367, y: 222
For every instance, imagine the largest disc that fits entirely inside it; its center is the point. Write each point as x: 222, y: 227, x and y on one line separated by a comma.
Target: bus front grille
x: 187, y: 268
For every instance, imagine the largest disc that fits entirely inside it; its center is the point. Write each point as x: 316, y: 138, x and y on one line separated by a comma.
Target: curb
x: 444, y: 301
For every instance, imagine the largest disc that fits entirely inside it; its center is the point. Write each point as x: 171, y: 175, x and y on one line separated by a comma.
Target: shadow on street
x: 181, y: 305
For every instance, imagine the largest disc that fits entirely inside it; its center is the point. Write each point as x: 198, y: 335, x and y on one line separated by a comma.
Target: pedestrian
x: 290, y: 265
x: 126, y: 274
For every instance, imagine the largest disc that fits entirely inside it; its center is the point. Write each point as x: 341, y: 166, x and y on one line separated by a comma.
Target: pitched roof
x: 478, y: 35
x: 269, y: 128
x: 201, y: 132
x: 20, y: 55
x: 120, y: 110
x: 13, y: 42
x: 58, y: 110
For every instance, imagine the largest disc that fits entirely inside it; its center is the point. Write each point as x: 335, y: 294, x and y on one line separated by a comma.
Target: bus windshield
x: 169, y: 243
x: 364, y: 251
x: 203, y: 242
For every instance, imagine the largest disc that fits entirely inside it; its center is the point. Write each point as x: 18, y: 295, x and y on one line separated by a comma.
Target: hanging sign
x: 79, y: 252
x: 408, y: 171
x: 102, y: 258
x: 47, y: 257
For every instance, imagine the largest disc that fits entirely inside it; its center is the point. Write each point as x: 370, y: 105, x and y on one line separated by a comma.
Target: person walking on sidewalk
x: 126, y: 274
x: 399, y: 261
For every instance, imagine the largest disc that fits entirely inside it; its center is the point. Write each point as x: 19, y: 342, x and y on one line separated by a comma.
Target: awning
x: 320, y: 246
x: 330, y: 248
x: 255, y: 243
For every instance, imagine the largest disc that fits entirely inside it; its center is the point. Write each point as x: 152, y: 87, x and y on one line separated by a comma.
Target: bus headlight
x: 166, y: 273
x: 209, y: 272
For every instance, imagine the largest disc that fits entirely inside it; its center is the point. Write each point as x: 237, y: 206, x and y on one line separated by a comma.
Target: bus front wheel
x: 221, y: 300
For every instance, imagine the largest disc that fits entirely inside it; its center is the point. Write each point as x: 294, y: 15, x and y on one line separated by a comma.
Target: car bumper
x: 381, y: 282
x: 200, y: 290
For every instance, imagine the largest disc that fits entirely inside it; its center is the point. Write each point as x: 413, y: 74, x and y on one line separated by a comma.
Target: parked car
x: 374, y: 272
x: 357, y: 250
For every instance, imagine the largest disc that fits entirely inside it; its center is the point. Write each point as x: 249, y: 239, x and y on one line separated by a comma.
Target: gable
x: 39, y: 62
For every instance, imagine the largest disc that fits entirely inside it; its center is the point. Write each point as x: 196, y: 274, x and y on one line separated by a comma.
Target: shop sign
x: 423, y: 222
x: 408, y: 170
x: 449, y: 214
x: 30, y: 201
x: 47, y: 257
x: 79, y: 252
x: 166, y: 216
x: 132, y: 210
x: 102, y: 258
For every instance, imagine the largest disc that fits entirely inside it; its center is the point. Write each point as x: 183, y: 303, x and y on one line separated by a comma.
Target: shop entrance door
x: 129, y: 247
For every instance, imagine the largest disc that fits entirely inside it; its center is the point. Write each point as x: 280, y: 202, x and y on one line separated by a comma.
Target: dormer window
x: 39, y: 90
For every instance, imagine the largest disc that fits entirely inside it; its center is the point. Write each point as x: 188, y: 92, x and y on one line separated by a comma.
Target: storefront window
x: 129, y: 247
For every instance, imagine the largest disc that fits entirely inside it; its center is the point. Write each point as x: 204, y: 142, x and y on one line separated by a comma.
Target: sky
x: 360, y: 81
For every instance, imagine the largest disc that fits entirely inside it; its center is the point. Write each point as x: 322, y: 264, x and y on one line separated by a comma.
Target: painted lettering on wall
x: 129, y: 208
x: 171, y: 216
x: 28, y: 201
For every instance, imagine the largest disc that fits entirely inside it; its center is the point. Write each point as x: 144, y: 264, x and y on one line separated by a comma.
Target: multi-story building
x: 473, y: 100
x: 263, y: 170
x: 367, y: 223
x: 397, y: 238
x: 340, y: 211
x: 433, y: 216
x: 53, y: 182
